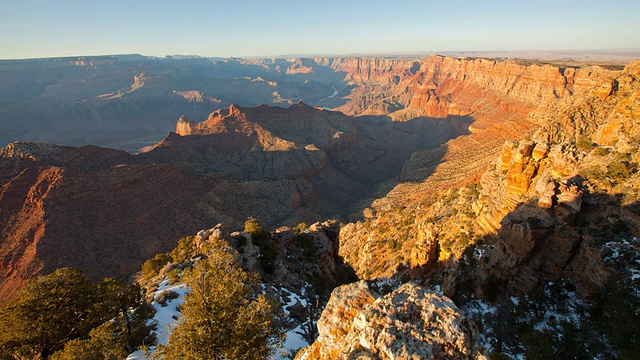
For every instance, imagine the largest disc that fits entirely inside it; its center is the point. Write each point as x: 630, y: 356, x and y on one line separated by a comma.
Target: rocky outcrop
x: 408, y: 323
x: 425, y: 252
x: 345, y: 304
x: 313, y: 254
x: 531, y: 193
x: 495, y: 100
x: 545, y: 201
x: 373, y: 69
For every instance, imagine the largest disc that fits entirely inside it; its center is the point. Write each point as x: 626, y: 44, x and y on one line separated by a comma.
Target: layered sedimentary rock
x: 548, y: 204
x: 106, y: 211
x: 500, y: 101
x: 265, y: 162
x: 529, y: 191
x: 297, y: 125
x: 408, y: 323
x: 446, y: 86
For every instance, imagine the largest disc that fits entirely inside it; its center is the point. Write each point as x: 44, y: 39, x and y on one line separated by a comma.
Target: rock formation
x: 117, y: 210
x: 287, y: 165
x: 408, y: 323
x: 540, y: 199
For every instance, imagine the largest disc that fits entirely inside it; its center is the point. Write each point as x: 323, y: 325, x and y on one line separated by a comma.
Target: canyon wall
x: 507, y: 102
x: 384, y: 169
x: 541, y: 209
x: 106, y: 211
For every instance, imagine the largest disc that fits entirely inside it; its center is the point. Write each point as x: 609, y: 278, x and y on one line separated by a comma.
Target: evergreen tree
x: 224, y: 316
x: 48, y: 312
x: 106, y: 342
x: 63, y: 308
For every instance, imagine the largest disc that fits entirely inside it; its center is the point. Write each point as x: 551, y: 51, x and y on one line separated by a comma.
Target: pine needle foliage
x: 224, y: 316
x: 65, y: 307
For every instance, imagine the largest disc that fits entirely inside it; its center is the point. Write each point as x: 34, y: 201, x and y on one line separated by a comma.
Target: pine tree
x: 224, y: 316
x: 106, y: 342
x: 63, y: 308
x: 48, y: 312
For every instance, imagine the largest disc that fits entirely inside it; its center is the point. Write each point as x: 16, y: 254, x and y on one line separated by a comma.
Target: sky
x: 253, y: 28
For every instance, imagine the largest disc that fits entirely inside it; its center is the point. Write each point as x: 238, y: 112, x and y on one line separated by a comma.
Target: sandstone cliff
x: 420, y: 221
x: 442, y: 86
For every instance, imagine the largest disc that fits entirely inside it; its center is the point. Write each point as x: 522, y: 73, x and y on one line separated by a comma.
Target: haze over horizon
x: 38, y: 28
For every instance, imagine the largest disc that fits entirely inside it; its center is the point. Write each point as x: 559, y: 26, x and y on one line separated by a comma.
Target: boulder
x: 409, y: 323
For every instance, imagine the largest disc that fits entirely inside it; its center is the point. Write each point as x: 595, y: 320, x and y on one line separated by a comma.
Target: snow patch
x: 166, y: 317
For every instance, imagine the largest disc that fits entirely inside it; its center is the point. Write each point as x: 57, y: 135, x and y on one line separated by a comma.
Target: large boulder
x: 411, y: 322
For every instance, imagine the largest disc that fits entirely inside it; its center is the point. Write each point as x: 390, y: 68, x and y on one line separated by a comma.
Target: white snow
x: 293, y: 340
x: 478, y: 309
x: 166, y: 316
x: 479, y: 251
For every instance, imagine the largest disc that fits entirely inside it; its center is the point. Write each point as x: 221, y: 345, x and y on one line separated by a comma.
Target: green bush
x: 618, y: 170
x: 151, y: 267
x: 262, y: 239
x: 300, y: 228
x: 65, y: 308
x: 174, y: 276
x: 224, y: 316
x: 584, y: 143
x: 462, y: 240
x: 308, y: 245
x: 592, y: 173
x: 105, y: 342
x: 600, y: 152
x: 184, y: 251
x: 253, y: 228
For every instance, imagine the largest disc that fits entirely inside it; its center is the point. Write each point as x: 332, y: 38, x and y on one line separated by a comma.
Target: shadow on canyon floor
x: 411, y: 151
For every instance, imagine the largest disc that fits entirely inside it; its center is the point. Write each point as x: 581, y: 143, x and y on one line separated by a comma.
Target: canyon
x: 482, y: 177
x: 106, y: 211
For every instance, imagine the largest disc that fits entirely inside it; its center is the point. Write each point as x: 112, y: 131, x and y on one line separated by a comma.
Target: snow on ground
x: 626, y: 251
x: 165, y: 316
x: 479, y: 310
x: 572, y: 308
x: 293, y: 340
x: 481, y: 250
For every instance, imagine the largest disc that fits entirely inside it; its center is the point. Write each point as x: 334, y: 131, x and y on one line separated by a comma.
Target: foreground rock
x: 408, y: 323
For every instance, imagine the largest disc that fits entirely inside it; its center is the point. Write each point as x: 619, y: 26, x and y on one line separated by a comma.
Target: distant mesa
x: 276, y: 128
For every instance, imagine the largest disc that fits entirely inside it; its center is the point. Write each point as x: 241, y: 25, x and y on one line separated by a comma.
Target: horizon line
x: 335, y: 55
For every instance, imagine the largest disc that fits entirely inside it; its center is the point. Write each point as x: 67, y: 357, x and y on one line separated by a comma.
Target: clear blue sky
x: 48, y: 28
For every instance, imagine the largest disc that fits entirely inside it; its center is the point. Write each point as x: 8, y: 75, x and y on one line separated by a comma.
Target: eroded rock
x: 408, y: 323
